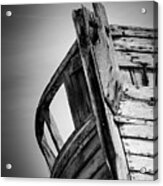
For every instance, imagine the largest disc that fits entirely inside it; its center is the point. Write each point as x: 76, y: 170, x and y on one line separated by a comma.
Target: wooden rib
x: 48, y: 153
x: 56, y: 79
x: 53, y: 129
x: 102, y: 174
x: 81, y: 157
x: 92, y: 166
x: 137, y: 163
x: 140, y: 147
x: 78, y: 140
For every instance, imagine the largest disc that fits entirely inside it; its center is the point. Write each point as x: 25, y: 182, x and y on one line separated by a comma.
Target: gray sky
x: 35, y: 39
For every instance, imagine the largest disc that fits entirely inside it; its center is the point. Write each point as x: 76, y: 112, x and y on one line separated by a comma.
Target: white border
x: 51, y: 182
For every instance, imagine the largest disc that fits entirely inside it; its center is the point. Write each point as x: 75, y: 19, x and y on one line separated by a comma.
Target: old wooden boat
x: 110, y: 76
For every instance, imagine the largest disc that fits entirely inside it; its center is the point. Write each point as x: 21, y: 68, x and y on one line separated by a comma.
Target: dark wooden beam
x: 101, y: 74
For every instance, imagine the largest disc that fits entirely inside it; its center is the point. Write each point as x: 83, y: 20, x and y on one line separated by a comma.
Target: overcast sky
x: 35, y: 39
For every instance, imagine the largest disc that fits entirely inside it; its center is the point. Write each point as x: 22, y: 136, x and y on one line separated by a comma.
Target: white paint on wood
x: 137, y: 109
x: 138, y: 131
x: 133, y: 59
x: 141, y: 147
x: 122, y: 120
x: 141, y: 177
x: 144, y: 93
x: 137, y: 163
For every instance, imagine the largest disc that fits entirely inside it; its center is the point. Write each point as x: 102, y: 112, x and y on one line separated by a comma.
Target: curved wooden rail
x: 43, y: 115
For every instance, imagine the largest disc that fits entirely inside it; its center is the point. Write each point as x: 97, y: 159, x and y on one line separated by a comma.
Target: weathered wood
x: 57, y: 79
x: 136, y: 59
x: 137, y: 109
x: 130, y: 31
x: 140, y: 147
x: 81, y: 157
x: 92, y: 166
x: 139, y: 131
x: 141, y: 93
x: 78, y: 140
x: 138, y: 163
x: 136, y: 56
x: 101, y: 174
x: 81, y: 99
x: 135, y: 45
x: 53, y: 129
x: 122, y: 119
x: 119, y: 149
x: 77, y: 91
x: 152, y: 79
x: 110, y: 79
x: 104, y: 59
x: 142, y: 177
x: 48, y: 153
x: 82, y: 20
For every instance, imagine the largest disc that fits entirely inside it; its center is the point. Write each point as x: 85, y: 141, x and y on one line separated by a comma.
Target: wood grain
x: 137, y: 109
x: 137, y: 163
x: 139, y: 131
x: 140, y: 147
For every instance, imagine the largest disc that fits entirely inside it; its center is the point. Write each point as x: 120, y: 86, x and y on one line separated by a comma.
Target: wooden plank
x: 104, y: 59
x: 142, y: 177
x: 145, y: 164
x: 139, y: 131
x: 132, y: 44
x: 102, y: 174
x: 77, y: 141
x: 130, y: 31
x: 53, y: 129
x: 137, y: 109
x: 125, y: 75
x: 122, y: 119
x: 92, y: 166
x: 140, y: 147
x: 81, y: 157
x: 135, y: 59
x: 140, y: 93
x: 120, y: 156
x: 48, y: 153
